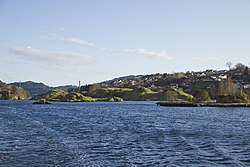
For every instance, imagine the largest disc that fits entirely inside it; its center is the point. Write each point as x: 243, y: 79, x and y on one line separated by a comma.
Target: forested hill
x: 10, y: 92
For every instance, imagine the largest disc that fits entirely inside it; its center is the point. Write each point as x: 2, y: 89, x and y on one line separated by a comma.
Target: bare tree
x: 229, y: 64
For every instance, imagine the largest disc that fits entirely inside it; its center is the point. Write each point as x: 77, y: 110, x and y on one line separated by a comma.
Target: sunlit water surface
x: 122, y: 134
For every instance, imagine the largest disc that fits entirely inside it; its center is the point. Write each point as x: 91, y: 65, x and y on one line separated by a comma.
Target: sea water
x: 122, y: 134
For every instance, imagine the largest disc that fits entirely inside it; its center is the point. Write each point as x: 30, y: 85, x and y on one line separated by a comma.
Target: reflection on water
x: 122, y: 134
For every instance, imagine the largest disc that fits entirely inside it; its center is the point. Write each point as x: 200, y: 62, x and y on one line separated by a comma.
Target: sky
x: 61, y: 42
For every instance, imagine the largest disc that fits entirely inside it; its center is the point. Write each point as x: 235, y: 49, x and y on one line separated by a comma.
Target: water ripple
x: 122, y: 134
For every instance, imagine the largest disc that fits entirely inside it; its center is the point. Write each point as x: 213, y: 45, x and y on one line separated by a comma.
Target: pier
x: 190, y: 104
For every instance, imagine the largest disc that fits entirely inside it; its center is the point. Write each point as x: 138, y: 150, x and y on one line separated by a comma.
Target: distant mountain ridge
x: 37, y: 88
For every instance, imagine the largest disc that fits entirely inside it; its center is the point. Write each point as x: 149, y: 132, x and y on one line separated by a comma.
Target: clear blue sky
x: 63, y: 41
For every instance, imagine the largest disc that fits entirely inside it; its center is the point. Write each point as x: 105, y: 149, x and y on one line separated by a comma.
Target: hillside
x: 37, y: 88
x: 9, y: 92
x: 142, y: 93
x: 64, y: 96
x: 222, y: 85
x: 155, y: 86
x: 115, y: 94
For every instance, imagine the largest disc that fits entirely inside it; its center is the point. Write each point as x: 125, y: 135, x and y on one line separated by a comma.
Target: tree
x: 225, y: 88
x: 229, y: 64
x: 93, y: 87
x: 246, y: 71
x: 228, y: 93
x: 201, y: 96
x: 171, y: 95
x: 240, y: 67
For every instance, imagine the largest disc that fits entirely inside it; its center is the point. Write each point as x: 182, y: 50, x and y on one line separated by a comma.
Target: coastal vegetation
x: 227, y: 92
x: 202, y: 96
x: 65, y: 96
x: 141, y: 93
x: 115, y: 94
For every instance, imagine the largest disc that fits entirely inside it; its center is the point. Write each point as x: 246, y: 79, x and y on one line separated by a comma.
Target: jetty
x: 190, y: 104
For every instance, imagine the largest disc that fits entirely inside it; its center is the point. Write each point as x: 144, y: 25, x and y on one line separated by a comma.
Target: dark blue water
x: 122, y: 134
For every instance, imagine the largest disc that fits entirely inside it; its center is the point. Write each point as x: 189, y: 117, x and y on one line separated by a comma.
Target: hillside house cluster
x: 181, y: 80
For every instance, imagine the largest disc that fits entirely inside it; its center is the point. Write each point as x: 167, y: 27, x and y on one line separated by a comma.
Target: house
x: 222, y: 77
x: 202, y: 75
x: 132, y: 83
x: 153, y: 87
x: 246, y: 86
x: 174, y: 85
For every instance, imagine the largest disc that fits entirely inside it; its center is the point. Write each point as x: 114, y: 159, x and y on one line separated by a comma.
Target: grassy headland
x: 115, y: 94
x: 65, y: 96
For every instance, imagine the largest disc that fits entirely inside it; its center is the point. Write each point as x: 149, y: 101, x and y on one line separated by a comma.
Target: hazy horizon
x: 62, y: 42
